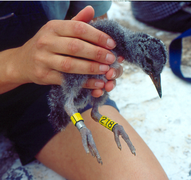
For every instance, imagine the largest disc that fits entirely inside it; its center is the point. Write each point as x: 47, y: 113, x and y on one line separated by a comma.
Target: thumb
x: 85, y: 15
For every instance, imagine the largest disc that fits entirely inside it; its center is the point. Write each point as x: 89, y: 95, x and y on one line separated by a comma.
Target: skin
x: 56, y: 49
x: 65, y: 154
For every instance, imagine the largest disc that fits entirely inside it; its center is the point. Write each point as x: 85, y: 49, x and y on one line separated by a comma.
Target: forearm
x: 9, y: 78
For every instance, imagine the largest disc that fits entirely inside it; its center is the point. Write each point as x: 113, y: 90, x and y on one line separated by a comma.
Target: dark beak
x: 157, y: 82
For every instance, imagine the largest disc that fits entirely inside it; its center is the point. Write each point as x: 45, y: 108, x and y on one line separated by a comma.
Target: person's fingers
x: 78, y: 48
x: 74, y: 65
x: 94, y: 84
x: 97, y: 92
x: 85, y: 15
x: 120, y: 59
x: 110, y: 85
x: 114, y: 73
x: 81, y: 30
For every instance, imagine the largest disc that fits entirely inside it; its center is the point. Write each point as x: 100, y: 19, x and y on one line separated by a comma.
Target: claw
x: 91, y: 151
x: 118, y: 130
x: 89, y: 144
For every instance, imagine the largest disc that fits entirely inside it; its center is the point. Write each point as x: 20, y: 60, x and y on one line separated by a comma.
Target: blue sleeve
x: 55, y: 9
x: 100, y: 7
x: 61, y: 9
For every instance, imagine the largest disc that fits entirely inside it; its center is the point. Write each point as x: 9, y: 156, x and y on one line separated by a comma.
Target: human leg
x: 64, y: 153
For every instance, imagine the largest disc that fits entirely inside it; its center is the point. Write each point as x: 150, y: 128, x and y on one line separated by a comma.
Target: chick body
x: 140, y: 49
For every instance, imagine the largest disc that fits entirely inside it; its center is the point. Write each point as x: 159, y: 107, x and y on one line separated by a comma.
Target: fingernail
x: 103, y: 67
x: 110, y: 58
x: 111, y: 43
x: 99, y: 84
x: 120, y: 59
x: 113, y: 75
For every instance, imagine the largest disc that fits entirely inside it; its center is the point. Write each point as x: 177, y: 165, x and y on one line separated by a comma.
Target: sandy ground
x: 164, y: 124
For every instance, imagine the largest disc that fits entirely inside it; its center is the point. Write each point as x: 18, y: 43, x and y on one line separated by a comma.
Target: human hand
x: 63, y: 46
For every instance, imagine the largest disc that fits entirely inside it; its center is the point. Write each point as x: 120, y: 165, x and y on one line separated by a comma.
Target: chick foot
x: 89, y: 144
x: 118, y: 130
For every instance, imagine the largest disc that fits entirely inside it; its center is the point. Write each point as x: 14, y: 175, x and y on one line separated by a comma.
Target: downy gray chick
x: 140, y: 49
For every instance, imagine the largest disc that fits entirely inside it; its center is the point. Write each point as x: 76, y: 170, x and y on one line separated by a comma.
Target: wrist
x: 10, y: 75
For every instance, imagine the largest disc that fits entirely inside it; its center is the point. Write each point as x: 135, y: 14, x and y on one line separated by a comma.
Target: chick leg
x: 87, y: 138
x: 113, y: 126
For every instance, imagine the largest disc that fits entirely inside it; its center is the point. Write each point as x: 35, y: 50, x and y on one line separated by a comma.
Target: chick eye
x: 149, y: 61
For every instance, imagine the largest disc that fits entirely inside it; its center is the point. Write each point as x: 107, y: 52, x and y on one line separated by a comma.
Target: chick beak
x: 157, y: 82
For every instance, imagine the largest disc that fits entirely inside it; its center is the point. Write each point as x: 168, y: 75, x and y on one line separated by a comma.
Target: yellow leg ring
x: 76, y: 118
x: 106, y: 122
